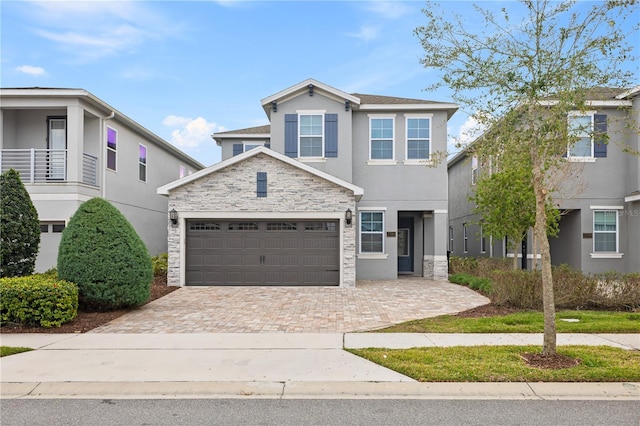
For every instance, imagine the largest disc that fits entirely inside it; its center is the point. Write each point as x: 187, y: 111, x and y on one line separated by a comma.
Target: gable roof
x: 165, y: 189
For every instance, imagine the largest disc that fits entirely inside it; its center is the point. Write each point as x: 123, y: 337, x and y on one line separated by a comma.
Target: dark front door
x: 405, y: 245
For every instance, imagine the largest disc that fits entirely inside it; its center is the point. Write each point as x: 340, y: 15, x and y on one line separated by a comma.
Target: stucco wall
x: 291, y: 193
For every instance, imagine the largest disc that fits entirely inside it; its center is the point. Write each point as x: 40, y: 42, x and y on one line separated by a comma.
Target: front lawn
x: 10, y: 350
x: 505, y: 364
x: 525, y: 322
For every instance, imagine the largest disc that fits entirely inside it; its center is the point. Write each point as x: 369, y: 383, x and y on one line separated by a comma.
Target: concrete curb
x: 321, y: 390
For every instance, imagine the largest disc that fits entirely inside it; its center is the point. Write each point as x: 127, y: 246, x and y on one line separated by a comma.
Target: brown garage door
x: 262, y: 252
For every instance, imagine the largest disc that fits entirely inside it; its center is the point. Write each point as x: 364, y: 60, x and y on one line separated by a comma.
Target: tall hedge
x: 102, y: 253
x: 19, y: 227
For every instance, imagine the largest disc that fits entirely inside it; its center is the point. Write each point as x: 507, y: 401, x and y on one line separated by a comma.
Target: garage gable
x: 262, y: 219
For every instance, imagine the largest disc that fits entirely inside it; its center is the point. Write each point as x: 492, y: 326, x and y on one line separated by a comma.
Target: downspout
x: 103, y: 156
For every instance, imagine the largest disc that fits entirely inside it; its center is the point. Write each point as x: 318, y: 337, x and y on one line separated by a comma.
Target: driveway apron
x: 370, y: 305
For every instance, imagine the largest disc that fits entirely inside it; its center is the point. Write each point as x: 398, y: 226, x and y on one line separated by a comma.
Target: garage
x: 262, y: 252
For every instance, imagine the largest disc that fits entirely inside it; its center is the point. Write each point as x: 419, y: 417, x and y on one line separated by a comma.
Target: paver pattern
x: 370, y: 305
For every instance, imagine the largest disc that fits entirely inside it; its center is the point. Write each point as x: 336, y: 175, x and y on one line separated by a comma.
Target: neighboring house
x: 600, y: 227
x: 69, y: 146
x: 339, y: 186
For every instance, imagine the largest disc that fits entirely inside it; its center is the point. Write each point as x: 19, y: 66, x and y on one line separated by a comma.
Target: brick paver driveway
x: 368, y: 306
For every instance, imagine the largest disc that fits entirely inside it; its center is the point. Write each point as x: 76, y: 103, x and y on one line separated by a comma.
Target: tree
x: 505, y: 201
x: 102, y: 253
x: 19, y: 227
x: 521, y: 78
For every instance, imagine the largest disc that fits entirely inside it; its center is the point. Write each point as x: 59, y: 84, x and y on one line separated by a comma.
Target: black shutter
x: 600, y: 135
x: 237, y: 148
x: 261, y: 184
x: 331, y: 135
x: 291, y: 135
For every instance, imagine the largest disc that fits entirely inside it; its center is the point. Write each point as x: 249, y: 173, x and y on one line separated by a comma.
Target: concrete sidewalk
x: 264, y: 365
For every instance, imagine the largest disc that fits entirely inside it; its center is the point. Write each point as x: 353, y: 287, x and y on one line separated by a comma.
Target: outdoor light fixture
x: 274, y: 106
x: 173, y: 216
x: 348, y: 216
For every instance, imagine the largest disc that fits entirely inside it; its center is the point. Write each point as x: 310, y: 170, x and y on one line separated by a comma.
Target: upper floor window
x: 588, y: 130
x: 381, y: 138
x: 142, y: 163
x: 311, y: 143
x: 418, y: 138
x: 605, y: 231
x: 371, y: 232
x: 474, y: 170
x: 112, y: 146
x: 246, y: 146
x: 183, y: 171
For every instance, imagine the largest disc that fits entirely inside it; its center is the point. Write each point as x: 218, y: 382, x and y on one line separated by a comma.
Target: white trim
x: 145, y: 164
x: 632, y: 198
x: 320, y: 113
x: 414, y: 107
x: 165, y: 189
x: 412, y: 161
x: 60, y: 197
x: 593, y: 227
x: 629, y: 93
x: 383, y: 232
x: 311, y: 112
x: 241, y: 135
x: 364, y: 208
x: 312, y: 159
x: 303, y: 85
x: 418, y: 162
x: 372, y: 256
x: 441, y: 211
x: 380, y: 162
x: 582, y: 159
x: 255, y: 144
x: 606, y: 255
x: 606, y: 207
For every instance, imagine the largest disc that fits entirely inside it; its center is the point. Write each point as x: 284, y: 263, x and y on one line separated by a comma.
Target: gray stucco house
x: 338, y: 187
x: 600, y: 228
x: 70, y: 146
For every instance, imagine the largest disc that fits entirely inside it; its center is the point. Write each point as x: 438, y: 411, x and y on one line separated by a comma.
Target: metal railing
x: 46, y: 165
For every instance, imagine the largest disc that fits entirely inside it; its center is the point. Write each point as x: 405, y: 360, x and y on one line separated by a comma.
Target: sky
x: 187, y: 69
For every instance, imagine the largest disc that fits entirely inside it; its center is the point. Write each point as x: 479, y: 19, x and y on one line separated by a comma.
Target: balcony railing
x: 46, y: 165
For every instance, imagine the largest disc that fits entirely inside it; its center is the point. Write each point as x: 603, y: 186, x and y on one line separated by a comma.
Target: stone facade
x: 291, y: 192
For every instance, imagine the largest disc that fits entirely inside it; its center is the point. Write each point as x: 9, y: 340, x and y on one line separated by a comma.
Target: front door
x: 405, y: 245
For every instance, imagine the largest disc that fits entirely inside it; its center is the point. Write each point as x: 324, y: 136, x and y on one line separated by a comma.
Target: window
x: 311, y: 136
x: 371, y: 232
x: 605, y: 231
x: 183, y: 171
x: 418, y: 138
x: 204, y: 226
x: 320, y: 226
x: 142, y: 163
x: 581, y: 127
x: 451, y: 239
x: 465, y: 237
x: 474, y: 170
x: 52, y: 227
x: 382, y: 135
x: 243, y: 226
x: 112, y: 144
x: 246, y: 146
x: 282, y: 226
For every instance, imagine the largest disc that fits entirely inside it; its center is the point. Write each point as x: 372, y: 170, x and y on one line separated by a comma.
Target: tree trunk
x: 540, y: 233
x: 515, y: 256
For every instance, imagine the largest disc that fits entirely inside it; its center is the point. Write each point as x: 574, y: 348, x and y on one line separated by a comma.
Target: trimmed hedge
x: 37, y: 300
x: 482, y: 285
x: 102, y: 253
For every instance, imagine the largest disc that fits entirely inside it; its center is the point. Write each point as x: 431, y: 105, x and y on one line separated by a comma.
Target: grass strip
x: 525, y: 322
x: 505, y: 364
x: 10, y: 350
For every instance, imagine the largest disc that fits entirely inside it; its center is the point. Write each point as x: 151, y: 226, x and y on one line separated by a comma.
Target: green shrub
x: 37, y: 300
x: 463, y: 265
x: 160, y: 264
x: 101, y: 252
x: 19, y: 227
x: 482, y: 285
x: 517, y: 288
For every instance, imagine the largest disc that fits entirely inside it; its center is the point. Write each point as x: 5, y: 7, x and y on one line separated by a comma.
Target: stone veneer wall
x: 435, y: 267
x: 289, y: 190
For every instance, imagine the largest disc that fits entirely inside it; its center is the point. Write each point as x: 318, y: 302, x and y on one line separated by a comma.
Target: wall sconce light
x: 274, y: 106
x: 310, y: 87
x: 173, y: 216
x: 348, y: 216
x: 347, y: 103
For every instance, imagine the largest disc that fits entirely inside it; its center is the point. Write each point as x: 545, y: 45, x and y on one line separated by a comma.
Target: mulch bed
x: 87, y: 321
x: 557, y: 361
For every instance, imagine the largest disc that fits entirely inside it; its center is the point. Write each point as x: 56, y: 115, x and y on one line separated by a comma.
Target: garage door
x: 262, y: 253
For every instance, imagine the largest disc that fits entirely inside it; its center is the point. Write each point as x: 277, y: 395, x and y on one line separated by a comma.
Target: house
x: 600, y: 225
x: 337, y: 187
x: 69, y: 146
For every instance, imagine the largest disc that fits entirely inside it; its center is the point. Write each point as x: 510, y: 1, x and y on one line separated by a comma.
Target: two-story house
x: 600, y: 204
x: 339, y: 186
x: 69, y: 146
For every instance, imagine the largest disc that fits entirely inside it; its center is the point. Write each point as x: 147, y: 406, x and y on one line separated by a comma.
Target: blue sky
x: 187, y: 69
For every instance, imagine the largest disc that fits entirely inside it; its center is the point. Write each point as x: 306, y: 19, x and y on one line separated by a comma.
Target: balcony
x: 46, y: 165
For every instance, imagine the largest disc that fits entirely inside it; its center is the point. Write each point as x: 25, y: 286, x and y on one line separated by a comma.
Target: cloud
x: 31, y: 70
x: 367, y: 33
x: 189, y: 133
x: 469, y: 131
x: 91, y: 30
x: 389, y: 9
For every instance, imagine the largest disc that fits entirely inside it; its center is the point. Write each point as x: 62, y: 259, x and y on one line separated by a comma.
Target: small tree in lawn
x: 504, y: 199
x: 522, y: 77
x: 19, y: 227
x: 102, y: 253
